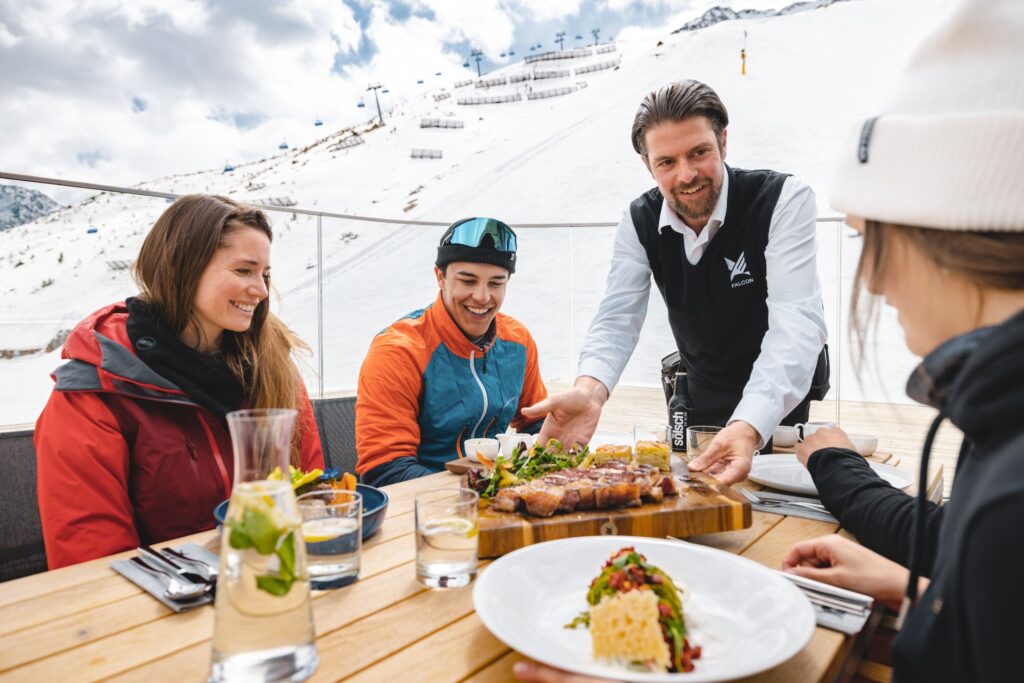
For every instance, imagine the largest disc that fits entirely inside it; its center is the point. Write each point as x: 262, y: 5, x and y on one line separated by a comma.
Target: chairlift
x: 318, y: 122
x: 361, y: 104
x: 438, y: 73
x: 228, y: 168
x: 283, y: 145
x: 385, y: 91
x: 579, y: 37
x: 419, y: 81
x: 466, y: 64
x: 92, y: 230
x: 511, y: 53
x: 532, y: 48
x: 502, y: 54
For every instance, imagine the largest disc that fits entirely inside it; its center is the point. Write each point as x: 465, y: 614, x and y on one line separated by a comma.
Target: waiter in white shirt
x: 733, y: 254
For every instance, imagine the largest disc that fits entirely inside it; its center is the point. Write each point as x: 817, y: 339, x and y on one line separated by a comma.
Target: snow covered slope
x: 810, y: 77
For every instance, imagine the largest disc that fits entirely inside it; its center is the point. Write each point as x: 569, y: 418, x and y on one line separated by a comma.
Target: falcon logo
x: 738, y: 268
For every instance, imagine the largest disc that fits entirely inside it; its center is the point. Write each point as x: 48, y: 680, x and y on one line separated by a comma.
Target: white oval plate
x: 745, y: 617
x: 784, y: 472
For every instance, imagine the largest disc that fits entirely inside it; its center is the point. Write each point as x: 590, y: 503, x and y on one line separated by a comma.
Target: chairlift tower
x: 477, y: 55
x: 595, y: 32
x: 560, y: 39
x: 376, y: 99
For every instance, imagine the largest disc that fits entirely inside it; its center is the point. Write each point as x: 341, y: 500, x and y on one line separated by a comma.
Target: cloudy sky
x: 121, y: 91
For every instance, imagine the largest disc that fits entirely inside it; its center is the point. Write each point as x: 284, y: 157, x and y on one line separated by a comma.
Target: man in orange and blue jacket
x: 455, y: 370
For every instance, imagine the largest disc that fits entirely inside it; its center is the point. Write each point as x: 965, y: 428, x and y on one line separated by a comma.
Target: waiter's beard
x: 696, y: 209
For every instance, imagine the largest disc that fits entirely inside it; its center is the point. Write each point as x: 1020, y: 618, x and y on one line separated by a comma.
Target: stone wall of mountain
x: 20, y: 205
x: 719, y: 13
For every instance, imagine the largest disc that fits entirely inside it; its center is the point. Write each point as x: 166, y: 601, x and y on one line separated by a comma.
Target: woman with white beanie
x: 935, y: 183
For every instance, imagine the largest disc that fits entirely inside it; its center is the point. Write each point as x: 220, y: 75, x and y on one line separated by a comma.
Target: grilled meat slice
x: 540, y: 499
x: 617, y: 496
x: 507, y: 500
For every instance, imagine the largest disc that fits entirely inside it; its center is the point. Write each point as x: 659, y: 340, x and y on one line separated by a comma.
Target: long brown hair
x: 984, y: 260
x: 173, y: 257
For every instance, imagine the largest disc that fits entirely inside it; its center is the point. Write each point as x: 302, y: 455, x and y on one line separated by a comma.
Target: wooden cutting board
x: 703, y: 506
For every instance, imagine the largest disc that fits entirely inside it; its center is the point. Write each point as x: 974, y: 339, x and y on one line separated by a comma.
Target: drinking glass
x: 698, y: 439
x: 651, y: 445
x: 332, y: 526
x: 447, y: 535
x: 657, y: 433
x: 263, y: 617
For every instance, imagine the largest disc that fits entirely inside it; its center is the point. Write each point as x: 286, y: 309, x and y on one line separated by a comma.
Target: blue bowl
x: 375, y: 505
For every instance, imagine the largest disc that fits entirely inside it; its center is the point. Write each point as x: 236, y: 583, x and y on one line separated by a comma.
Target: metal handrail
x: 42, y: 180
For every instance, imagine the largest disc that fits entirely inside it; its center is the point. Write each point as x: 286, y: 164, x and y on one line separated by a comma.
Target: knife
x: 168, y: 565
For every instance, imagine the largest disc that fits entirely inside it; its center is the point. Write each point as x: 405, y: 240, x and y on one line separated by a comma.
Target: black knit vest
x: 717, y: 309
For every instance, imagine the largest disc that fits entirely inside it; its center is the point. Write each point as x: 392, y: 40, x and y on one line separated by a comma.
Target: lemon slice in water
x: 326, y: 528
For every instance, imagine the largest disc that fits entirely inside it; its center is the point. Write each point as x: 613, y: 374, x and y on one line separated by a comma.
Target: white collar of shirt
x: 694, y: 244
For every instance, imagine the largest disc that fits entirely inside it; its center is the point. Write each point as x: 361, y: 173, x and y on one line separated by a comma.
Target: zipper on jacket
x: 216, y: 455
x: 483, y: 391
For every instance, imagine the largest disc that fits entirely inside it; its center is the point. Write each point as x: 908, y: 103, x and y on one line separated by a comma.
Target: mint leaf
x: 286, y: 551
x: 261, y: 532
x: 238, y: 540
x: 274, y: 585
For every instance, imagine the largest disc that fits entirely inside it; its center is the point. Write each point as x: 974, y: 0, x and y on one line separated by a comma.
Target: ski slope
x: 811, y: 77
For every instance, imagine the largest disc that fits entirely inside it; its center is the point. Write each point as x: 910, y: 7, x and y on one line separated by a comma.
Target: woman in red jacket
x: 133, y: 445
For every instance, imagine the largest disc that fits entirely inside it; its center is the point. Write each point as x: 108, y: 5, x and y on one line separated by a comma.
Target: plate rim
x: 878, y: 467
x: 645, y: 677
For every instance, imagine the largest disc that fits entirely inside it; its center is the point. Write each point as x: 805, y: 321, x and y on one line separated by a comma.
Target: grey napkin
x: 154, y: 587
x: 791, y: 510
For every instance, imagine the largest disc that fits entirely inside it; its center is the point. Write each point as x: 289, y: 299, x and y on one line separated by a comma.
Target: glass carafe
x: 263, y: 627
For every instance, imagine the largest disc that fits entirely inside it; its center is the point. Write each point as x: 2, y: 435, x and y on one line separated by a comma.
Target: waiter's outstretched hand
x: 571, y: 415
x: 729, y: 456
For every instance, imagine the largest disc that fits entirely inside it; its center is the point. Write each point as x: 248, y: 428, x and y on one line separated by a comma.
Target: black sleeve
x: 394, y: 471
x: 994, y: 603
x: 879, y: 515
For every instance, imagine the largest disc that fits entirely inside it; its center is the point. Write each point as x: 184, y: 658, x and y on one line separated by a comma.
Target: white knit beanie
x: 947, y: 150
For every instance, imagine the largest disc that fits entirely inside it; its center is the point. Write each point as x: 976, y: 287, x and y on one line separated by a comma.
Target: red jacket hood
x: 101, y: 358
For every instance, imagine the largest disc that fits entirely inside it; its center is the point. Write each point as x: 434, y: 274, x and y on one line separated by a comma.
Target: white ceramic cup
x: 486, y: 447
x: 808, y: 428
x: 785, y: 436
x: 509, y: 442
x: 865, y: 444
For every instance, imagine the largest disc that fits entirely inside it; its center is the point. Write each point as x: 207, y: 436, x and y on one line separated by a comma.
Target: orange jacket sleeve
x: 387, y: 404
x: 82, y: 482
x: 534, y: 390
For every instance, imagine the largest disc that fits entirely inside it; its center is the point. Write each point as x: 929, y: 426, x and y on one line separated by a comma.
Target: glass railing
x: 339, y: 280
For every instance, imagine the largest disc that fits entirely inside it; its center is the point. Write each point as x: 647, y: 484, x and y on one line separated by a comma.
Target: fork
x: 208, y: 572
x: 817, y: 507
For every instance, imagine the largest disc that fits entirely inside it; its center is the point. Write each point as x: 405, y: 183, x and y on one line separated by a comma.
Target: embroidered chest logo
x: 738, y: 269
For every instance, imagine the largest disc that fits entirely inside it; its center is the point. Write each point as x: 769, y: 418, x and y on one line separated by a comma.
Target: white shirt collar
x: 669, y: 217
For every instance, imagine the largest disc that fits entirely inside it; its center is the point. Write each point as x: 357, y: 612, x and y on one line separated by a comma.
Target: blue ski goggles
x: 474, y: 232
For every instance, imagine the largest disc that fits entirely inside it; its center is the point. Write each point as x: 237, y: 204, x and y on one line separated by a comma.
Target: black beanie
x: 450, y: 253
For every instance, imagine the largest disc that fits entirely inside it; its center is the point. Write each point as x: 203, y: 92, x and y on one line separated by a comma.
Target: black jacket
x: 969, y: 623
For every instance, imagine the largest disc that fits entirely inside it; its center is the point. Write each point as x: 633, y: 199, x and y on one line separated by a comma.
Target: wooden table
x: 86, y: 623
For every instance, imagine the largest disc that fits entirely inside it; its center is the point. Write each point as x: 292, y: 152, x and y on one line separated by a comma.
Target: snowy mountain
x: 19, y: 205
x: 552, y: 146
x: 718, y: 14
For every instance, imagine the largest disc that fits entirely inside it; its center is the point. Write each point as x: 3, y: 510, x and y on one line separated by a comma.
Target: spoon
x: 174, y: 589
